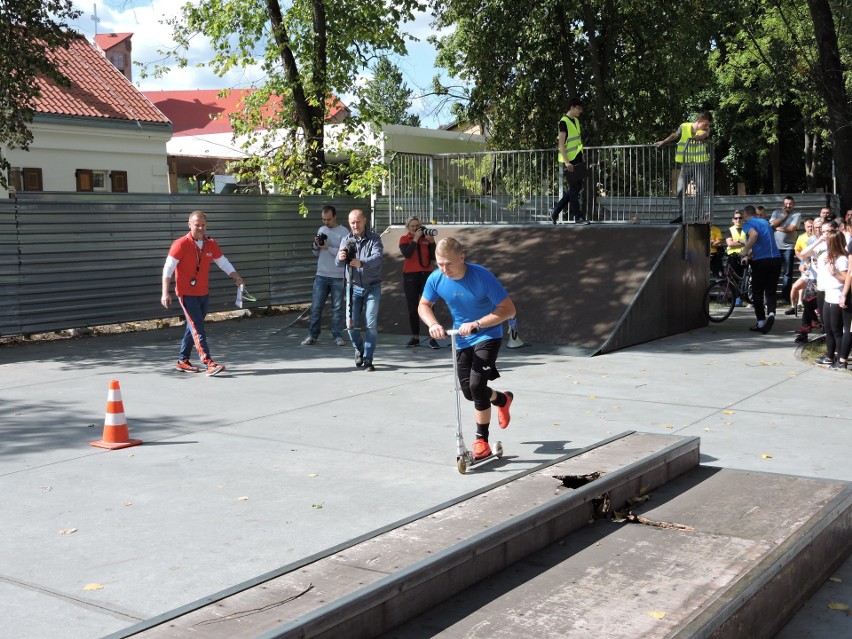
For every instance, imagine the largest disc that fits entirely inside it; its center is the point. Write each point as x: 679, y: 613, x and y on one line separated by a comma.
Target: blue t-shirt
x: 765, y: 246
x: 472, y: 297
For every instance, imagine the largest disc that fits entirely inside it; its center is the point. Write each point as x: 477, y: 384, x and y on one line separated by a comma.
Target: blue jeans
x: 367, y: 299
x: 195, y: 309
x: 323, y: 287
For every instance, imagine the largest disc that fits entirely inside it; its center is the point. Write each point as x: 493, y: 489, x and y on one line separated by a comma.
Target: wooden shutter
x: 119, y: 181
x: 32, y: 180
x: 84, y: 180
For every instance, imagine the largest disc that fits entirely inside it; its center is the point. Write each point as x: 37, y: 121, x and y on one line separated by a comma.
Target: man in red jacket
x: 189, y: 260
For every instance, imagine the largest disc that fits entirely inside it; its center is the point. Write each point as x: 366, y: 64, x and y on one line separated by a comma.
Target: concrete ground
x: 293, y: 450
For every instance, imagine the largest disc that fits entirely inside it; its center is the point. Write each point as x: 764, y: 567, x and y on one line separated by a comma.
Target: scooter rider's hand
x: 469, y: 328
x: 436, y: 331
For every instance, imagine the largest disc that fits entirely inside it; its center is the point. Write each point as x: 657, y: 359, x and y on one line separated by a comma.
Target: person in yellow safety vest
x: 736, y: 241
x: 570, y: 144
x: 693, y: 157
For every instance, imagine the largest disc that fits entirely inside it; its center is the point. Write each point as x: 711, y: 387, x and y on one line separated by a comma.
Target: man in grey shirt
x: 785, y: 222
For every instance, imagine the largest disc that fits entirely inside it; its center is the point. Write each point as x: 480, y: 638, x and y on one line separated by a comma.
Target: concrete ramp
x: 598, y: 287
x: 713, y: 553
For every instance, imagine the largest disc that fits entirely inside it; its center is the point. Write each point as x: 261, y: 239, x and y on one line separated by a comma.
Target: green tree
x: 386, y: 98
x: 640, y: 65
x: 29, y: 31
x: 309, y: 51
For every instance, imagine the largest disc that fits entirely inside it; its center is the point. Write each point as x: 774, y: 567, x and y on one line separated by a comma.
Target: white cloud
x: 146, y: 20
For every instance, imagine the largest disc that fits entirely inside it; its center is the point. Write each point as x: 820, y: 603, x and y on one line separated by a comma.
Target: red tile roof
x: 203, y: 112
x: 108, y: 40
x: 98, y: 89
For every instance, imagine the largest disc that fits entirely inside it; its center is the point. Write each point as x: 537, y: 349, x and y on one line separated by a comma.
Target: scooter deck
x: 467, y: 460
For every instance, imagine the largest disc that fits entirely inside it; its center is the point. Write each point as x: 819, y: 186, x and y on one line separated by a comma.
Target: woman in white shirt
x: 832, y: 267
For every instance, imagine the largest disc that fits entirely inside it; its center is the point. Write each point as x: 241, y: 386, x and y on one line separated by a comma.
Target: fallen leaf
x: 836, y: 580
x: 243, y: 499
x: 656, y: 614
x: 313, y: 475
x: 838, y: 606
x: 67, y: 531
x: 128, y: 503
x: 316, y: 505
x: 727, y: 412
x: 669, y: 426
x: 93, y: 587
x: 766, y: 456
x: 593, y: 396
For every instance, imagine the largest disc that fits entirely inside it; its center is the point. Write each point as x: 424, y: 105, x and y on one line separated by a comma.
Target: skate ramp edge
x: 761, y: 545
x: 598, y: 287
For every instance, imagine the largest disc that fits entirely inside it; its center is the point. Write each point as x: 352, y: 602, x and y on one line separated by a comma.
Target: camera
x: 320, y: 239
x: 426, y: 231
x: 351, y: 250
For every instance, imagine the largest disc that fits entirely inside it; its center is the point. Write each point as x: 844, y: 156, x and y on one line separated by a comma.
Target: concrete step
x: 761, y: 545
x: 386, y: 578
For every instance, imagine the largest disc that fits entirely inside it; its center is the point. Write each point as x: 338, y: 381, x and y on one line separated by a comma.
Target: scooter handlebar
x: 455, y: 331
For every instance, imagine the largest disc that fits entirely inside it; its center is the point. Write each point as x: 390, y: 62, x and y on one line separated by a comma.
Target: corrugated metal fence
x: 69, y: 260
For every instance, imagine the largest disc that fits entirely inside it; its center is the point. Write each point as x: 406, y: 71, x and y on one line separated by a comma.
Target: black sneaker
x: 359, y: 360
x: 768, y: 324
x: 554, y: 216
x: 801, y: 338
x: 433, y: 343
x: 581, y: 220
x: 790, y: 311
x: 414, y: 341
x: 839, y: 366
x: 757, y: 328
x: 368, y: 365
x: 825, y: 360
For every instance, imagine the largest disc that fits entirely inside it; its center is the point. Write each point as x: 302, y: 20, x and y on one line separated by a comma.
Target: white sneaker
x: 340, y: 341
x: 308, y: 341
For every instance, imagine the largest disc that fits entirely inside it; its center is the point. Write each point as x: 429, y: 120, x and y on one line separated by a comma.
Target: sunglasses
x: 738, y: 217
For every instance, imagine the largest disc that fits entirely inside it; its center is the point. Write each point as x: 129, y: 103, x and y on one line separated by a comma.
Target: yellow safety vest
x: 690, y: 151
x: 573, y: 143
x: 738, y: 235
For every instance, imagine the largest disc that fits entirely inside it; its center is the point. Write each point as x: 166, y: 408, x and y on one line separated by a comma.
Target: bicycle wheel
x: 719, y: 301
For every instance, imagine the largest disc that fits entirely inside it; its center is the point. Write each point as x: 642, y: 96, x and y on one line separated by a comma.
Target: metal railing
x: 521, y: 187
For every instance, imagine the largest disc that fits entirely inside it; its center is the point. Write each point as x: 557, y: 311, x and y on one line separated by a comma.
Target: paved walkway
x: 293, y: 450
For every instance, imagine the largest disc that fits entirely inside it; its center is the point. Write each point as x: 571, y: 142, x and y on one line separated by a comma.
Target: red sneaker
x: 503, y: 411
x: 186, y: 367
x: 481, y: 449
x: 214, y: 369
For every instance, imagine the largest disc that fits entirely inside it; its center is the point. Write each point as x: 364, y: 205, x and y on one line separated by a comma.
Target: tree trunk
x: 838, y: 103
x: 810, y: 161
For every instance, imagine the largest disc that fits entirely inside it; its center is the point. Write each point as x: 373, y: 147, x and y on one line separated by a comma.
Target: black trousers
x: 412, y: 284
x: 764, y: 285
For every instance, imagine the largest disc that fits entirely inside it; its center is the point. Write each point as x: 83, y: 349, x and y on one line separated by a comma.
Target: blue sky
x: 142, y: 18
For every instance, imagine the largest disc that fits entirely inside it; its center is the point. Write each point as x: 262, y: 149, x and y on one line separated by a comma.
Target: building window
x: 32, y: 179
x: 84, y: 179
x: 117, y: 60
x: 99, y: 180
x: 119, y: 181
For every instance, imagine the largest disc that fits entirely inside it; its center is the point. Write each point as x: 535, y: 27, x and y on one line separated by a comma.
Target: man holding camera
x: 329, y: 279
x: 361, y: 253
x: 418, y: 248
x: 479, y: 305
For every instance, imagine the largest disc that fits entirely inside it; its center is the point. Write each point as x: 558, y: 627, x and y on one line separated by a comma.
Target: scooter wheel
x: 499, y: 452
x: 462, y: 465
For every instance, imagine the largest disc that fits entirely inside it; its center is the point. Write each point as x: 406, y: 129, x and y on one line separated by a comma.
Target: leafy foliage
x: 29, y: 30
x: 386, y: 99
x: 308, y: 50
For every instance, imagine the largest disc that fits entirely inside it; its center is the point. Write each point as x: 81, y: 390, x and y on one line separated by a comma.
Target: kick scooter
x: 464, y: 457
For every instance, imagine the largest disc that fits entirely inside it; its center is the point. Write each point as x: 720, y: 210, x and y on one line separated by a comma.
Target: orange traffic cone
x: 115, y: 425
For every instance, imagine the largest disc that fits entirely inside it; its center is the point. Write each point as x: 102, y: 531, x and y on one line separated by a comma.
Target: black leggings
x: 477, y: 365
x: 832, y: 320
x: 412, y: 284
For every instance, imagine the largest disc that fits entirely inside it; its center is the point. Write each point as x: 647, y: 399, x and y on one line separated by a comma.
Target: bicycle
x: 722, y: 295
